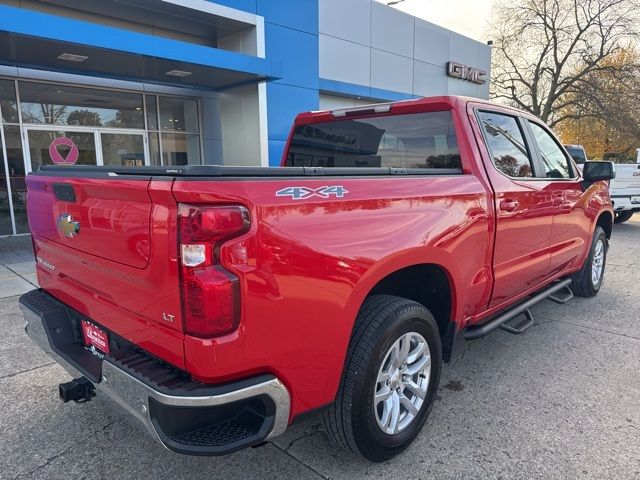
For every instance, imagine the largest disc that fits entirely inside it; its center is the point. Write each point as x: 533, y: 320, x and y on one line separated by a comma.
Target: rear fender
x: 398, y: 261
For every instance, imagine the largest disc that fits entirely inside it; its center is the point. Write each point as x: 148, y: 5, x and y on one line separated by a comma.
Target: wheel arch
x: 427, y: 284
x: 430, y: 282
x: 605, y: 220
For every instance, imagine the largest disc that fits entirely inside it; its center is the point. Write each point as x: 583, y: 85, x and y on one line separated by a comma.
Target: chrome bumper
x: 134, y: 396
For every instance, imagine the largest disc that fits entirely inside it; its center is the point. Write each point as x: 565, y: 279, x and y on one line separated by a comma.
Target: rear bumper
x: 623, y: 203
x: 183, y: 415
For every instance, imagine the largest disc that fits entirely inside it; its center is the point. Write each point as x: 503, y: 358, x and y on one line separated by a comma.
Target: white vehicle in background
x: 624, y: 189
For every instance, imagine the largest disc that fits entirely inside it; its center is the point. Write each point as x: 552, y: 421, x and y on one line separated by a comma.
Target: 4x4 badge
x: 302, y: 193
x: 68, y: 226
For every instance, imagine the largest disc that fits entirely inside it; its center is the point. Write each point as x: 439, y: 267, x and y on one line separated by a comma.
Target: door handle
x: 508, y: 205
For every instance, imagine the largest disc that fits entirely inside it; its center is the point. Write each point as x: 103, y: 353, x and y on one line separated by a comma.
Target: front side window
x: 554, y: 162
x: 418, y: 140
x: 506, y: 144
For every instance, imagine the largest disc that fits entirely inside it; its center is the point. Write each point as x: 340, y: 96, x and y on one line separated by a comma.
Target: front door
x: 77, y: 146
x: 571, y: 231
x: 524, y: 209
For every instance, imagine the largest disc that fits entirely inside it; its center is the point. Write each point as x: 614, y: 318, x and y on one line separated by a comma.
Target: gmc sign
x: 463, y: 72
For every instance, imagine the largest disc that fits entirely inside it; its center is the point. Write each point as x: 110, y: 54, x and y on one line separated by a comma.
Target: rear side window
x: 506, y: 144
x: 554, y: 162
x: 418, y: 140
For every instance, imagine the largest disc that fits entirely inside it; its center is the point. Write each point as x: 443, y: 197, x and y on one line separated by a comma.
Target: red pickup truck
x: 218, y: 305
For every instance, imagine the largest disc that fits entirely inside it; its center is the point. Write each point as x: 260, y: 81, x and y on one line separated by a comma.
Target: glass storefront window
x: 180, y: 149
x: 46, y: 148
x: 68, y: 125
x: 122, y: 149
x: 5, y: 208
x: 8, y: 103
x: 179, y: 142
x: 152, y: 112
x: 46, y: 104
x: 15, y: 162
x: 179, y: 115
x: 154, y: 149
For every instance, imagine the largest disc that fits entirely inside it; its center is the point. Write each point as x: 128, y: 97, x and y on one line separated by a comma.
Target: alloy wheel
x: 402, y: 383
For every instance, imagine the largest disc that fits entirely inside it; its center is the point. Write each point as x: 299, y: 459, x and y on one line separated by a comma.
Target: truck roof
x: 415, y: 105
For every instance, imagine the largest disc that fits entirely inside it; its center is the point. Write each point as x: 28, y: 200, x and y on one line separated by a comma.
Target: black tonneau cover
x: 229, y: 171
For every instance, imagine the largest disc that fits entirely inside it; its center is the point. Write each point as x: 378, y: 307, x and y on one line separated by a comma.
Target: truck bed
x: 238, y: 172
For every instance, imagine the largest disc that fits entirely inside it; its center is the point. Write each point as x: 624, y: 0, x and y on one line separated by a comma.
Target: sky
x: 468, y: 17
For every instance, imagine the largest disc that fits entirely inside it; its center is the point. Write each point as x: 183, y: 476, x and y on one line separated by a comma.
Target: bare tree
x: 545, y: 49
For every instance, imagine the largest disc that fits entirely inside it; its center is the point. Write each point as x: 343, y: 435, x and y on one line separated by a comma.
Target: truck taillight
x: 210, y: 294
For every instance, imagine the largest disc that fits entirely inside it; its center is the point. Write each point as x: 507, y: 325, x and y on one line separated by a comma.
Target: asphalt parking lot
x: 559, y: 401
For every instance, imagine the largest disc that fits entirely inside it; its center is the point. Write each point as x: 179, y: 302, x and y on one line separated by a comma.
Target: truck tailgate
x: 627, y: 179
x: 113, y: 216
x: 107, y: 247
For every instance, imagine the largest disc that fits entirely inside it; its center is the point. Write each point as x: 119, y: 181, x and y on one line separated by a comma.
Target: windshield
x: 419, y: 140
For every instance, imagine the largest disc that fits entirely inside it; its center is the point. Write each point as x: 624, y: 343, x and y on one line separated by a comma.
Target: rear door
x: 523, y: 207
x: 570, y: 233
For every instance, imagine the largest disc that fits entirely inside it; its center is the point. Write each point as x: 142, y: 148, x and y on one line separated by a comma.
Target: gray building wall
x: 240, y: 126
x: 365, y: 42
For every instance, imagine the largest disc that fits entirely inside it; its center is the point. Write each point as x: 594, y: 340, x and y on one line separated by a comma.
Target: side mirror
x: 596, y: 171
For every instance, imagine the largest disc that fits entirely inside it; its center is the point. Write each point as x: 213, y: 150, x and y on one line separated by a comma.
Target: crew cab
x: 218, y: 305
x: 624, y: 190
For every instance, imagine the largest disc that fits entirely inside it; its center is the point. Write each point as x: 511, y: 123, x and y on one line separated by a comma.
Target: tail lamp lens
x: 210, y: 294
x: 193, y: 255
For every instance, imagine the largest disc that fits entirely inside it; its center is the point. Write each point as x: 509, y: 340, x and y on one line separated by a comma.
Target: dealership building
x: 175, y: 82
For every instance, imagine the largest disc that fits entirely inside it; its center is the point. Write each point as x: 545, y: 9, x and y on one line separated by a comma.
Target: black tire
x: 583, y: 285
x: 623, y: 216
x: 351, y: 421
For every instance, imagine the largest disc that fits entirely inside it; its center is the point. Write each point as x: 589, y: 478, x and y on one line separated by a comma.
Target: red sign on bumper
x: 95, y: 336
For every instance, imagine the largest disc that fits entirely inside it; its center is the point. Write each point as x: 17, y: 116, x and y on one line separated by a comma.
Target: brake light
x: 210, y: 294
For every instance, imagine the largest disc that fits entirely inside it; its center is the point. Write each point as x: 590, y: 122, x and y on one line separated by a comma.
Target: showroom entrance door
x: 84, y: 146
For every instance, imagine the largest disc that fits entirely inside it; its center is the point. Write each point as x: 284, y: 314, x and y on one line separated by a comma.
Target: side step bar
x: 568, y: 295
x: 478, y: 331
x: 518, y: 325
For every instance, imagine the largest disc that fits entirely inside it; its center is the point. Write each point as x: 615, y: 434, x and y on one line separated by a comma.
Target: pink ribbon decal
x: 56, y: 156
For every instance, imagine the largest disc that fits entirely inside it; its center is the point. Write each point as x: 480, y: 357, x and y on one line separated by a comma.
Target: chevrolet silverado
x: 218, y: 305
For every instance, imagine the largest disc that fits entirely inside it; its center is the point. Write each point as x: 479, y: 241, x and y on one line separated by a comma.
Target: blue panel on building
x: 298, y: 14
x: 276, y: 149
x: 298, y: 50
x: 285, y: 102
x: 291, y: 34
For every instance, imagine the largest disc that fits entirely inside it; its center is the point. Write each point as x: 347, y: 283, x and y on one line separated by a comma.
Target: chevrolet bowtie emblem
x: 69, y: 227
